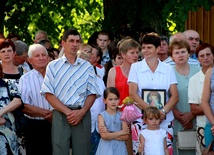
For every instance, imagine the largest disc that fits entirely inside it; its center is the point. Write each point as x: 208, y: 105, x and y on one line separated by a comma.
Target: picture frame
x: 154, y: 97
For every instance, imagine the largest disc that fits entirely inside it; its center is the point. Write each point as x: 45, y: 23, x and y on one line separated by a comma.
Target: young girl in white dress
x: 153, y: 138
x: 113, y: 131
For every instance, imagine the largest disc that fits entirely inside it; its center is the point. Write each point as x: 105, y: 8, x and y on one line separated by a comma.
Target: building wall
x: 203, y: 22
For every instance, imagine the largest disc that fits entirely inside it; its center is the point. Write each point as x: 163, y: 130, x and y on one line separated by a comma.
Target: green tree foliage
x: 25, y: 17
x: 53, y: 16
x: 158, y: 14
x: 177, y: 11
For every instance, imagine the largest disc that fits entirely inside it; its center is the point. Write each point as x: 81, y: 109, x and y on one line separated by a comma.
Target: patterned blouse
x: 8, y: 138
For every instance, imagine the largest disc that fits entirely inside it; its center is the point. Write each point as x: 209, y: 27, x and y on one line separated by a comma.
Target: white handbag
x: 186, y: 140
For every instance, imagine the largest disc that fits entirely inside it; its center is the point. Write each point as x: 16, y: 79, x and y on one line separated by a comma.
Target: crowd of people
x: 70, y: 95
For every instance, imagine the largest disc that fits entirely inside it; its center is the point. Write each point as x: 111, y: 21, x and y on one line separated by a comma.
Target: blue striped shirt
x: 30, y: 85
x: 70, y: 83
x: 190, y: 61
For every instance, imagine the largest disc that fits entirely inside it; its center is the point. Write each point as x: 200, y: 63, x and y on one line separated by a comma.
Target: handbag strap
x: 193, y: 129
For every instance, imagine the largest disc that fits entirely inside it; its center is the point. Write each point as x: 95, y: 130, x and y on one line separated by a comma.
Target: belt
x: 74, y: 107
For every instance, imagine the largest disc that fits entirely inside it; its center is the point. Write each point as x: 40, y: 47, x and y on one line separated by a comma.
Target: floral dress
x: 8, y: 137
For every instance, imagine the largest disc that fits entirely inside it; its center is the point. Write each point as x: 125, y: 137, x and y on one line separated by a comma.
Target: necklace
x: 183, y: 71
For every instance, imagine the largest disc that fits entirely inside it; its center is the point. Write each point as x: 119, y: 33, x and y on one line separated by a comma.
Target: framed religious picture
x: 154, y: 97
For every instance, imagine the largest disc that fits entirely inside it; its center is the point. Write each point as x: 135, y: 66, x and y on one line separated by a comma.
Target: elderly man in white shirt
x: 36, y: 107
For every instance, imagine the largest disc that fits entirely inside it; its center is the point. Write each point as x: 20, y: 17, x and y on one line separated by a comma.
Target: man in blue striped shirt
x: 70, y: 87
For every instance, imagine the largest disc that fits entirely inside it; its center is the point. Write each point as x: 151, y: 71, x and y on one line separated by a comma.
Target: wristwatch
x: 164, y: 111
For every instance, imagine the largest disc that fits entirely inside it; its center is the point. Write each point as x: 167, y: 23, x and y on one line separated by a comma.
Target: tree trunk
x: 2, y: 14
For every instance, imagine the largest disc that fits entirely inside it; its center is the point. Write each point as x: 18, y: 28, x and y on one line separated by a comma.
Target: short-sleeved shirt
x: 162, y: 78
x: 183, y: 83
x: 190, y: 61
x: 100, y: 71
x: 193, y: 62
x: 169, y: 61
x: 30, y: 85
x: 196, y: 83
x: 98, y: 106
x: 70, y: 83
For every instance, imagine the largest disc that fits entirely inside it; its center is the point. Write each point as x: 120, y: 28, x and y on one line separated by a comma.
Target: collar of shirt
x: 106, y: 53
x: 201, y: 76
x: 77, y: 61
x: 194, y: 56
x: 37, y: 73
x: 193, y: 60
x: 160, y: 67
x: 106, y: 56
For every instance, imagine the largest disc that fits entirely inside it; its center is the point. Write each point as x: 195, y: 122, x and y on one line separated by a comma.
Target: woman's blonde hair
x: 84, y: 45
x: 127, y: 44
x: 83, y: 55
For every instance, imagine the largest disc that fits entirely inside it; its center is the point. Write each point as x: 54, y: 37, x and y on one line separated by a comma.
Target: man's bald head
x: 178, y: 36
x: 193, y: 39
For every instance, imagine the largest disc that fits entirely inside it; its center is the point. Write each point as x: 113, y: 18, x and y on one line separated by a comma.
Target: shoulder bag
x: 186, y: 140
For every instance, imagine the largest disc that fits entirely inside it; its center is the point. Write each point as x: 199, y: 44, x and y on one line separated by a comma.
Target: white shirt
x: 196, y: 83
x: 30, y: 85
x: 100, y: 72
x: 98, y: 106
x: 154, y: 141
x: 26, y: 67
x: 162, y: 78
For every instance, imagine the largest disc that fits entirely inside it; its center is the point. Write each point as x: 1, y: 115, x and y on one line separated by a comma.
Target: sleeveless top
x: 154, y: 141
x: 211, y: 93
x: 121, y: 84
